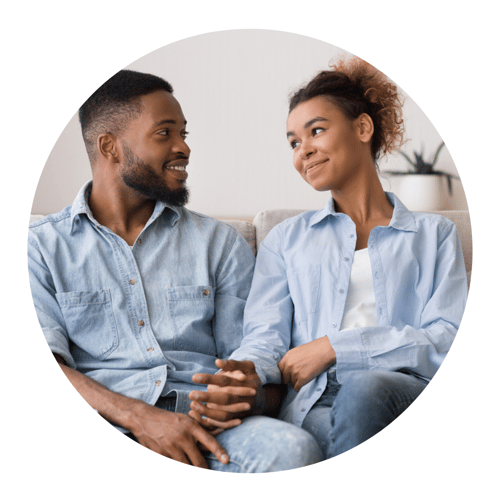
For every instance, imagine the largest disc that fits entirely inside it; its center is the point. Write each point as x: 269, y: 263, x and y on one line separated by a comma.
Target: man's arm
x: 173, y: 435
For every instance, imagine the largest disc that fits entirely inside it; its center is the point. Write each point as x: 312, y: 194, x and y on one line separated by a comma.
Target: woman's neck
x: 364, y: 201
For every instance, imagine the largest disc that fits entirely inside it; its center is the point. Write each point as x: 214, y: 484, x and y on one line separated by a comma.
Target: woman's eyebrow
x: 308, y: 124
x: 312, y: 121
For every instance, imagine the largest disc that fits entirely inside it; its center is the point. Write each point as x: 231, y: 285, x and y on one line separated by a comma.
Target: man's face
x: 155, y: 154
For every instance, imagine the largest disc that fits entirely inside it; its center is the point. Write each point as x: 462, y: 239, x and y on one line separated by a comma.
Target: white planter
x: 422, y: 192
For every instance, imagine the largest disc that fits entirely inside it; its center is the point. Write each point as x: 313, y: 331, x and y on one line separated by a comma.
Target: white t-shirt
x: 359, y: 310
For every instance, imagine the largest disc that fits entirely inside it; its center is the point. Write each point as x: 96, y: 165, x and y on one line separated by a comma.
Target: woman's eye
x: 293, y: 144
x: 316, y: 130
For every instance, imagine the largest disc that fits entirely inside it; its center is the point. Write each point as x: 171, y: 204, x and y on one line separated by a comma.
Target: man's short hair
x: 116, y: 102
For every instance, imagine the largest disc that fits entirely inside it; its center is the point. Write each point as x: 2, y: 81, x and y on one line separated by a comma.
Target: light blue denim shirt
x: 299, y: 291
x: 140, y: 321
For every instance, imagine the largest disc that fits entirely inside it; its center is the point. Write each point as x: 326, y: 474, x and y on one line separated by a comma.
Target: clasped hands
x: 236, y: 391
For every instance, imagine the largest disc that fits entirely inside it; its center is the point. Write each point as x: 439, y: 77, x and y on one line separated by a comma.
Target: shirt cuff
x: 350, y: 353
x: 58, y: 344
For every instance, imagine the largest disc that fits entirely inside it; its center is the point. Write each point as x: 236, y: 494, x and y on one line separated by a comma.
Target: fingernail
x: 225, y: 459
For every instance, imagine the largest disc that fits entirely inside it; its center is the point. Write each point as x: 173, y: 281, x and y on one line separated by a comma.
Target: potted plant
x: 421, y: 188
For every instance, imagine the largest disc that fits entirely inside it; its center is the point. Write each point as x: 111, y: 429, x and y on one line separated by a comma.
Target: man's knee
x: 262, y: 444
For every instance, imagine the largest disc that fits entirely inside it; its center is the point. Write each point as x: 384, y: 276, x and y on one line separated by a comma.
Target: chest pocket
x: 191, y: 311
x: 90, y: 323
x: 304, y: 283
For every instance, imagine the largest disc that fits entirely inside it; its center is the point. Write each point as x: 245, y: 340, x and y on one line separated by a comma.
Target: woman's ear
x: 106, y: 144
x: 365, y: 127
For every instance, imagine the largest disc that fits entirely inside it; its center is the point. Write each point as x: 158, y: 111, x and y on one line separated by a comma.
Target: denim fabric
x: 299, y: 291
x: 263, y: 444
x: 347, y: 415
x: 140, y: 321
x: 259, y: 444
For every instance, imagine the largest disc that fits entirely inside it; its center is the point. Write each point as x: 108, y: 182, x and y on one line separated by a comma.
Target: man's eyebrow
x: 308, y: 124
x: 167, y: 121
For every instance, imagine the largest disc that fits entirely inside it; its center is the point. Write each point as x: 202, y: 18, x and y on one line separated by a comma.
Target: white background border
x: 55, y: 55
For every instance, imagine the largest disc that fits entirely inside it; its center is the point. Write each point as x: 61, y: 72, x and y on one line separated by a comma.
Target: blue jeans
x: 258, y: 444
x: 347, y: 415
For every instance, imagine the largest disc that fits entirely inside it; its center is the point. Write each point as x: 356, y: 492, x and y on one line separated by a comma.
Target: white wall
x: 233, y: 87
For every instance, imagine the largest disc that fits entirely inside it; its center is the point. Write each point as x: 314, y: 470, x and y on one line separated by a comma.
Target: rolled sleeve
x: 46, y: 306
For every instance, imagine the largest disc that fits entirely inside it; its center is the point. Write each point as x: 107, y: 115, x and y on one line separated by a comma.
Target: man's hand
x: 305, y: 362
x: 231, y: 394
x: 171, y: 434
x: 176, y: 436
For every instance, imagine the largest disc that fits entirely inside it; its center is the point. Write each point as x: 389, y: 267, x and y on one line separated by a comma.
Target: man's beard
x: 142, y: 178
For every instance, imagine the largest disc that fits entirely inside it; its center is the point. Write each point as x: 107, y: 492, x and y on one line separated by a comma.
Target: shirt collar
x: 81, y: 206
x: 402, y: 218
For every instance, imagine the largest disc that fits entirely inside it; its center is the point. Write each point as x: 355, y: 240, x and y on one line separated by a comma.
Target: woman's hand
x: 305, y: 362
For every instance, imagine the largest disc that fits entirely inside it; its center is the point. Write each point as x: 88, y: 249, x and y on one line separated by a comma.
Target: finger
x: 214, y: 426
x: 285, y: 373
x: 211, y: 444
x: 218, y: 412
x: 230, y: 395
x: 177, y: 455
x: 219, y: 379
x: 195, y: 456
x: 233, y: 365
x: 222, y: 426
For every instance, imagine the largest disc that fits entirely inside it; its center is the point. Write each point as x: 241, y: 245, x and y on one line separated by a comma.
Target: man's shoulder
x: 205, y: 223
x: 59, y: 220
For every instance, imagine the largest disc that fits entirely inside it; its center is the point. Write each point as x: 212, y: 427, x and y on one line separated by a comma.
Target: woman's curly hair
x: 357, y: 87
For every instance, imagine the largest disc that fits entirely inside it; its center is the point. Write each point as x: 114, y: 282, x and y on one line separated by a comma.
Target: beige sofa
x: 255, y: 232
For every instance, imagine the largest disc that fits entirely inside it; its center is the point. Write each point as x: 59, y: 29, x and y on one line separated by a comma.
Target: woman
x: 354, y: 306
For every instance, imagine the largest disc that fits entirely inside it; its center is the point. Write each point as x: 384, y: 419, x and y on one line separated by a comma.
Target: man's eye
x: 293, y: 144
x: 184, y: 134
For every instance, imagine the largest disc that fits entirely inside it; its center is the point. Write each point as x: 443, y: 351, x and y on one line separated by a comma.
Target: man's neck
x: 123, y: 211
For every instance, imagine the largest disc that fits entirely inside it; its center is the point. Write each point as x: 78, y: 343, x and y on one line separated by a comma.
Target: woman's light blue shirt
x: 299, y: 291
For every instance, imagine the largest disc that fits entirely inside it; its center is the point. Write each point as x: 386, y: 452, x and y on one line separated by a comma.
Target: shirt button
x: 346, y: 259
x: 158, y: 383
x: 206, y: 292
x: 352, y: 235
x: 140, y: 323
x: 318, y: 389
x: 341, y: 290
x: 334, y: 324
x: 139, y: 241
x: 303, y: 409
x: 132, y: 281
x: 150, y: 349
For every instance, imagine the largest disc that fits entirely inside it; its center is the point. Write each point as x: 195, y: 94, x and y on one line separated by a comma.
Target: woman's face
x: 329, y: 149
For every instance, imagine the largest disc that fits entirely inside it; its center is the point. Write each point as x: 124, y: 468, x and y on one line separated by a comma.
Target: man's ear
x: 365, y: 127
x: 106, y: 144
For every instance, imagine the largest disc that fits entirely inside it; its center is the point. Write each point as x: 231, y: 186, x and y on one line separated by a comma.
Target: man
x: 136, y: 294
